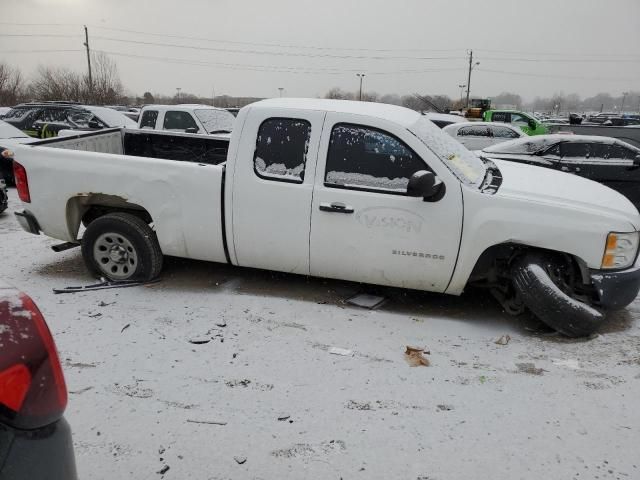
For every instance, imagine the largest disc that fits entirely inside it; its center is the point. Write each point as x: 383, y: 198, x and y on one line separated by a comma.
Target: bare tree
x: 57, y: 84
x: 11, y: 85
x: 339, y: 94
x: 106, y: 87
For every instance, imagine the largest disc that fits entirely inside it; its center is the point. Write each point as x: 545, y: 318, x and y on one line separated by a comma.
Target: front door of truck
x: 272, y: 188
x: 363, y: 225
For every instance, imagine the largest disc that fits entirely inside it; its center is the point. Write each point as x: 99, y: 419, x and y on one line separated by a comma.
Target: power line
x: 544, y: 75
x: 269, y: 68
x: 559, y: 60
x: 56, y: 35
x: 261, y: 52
x: 41, y: 51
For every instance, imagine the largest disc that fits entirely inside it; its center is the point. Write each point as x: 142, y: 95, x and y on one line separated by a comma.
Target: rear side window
x: 575, y: 150
x: 281, y: 149
x: 149, y: 118
x: 364, y: 158
x: 504, y: 132
x: 179, y: 121
x: 499, y: 117
x: 473, y: 131
x: 620, y: 152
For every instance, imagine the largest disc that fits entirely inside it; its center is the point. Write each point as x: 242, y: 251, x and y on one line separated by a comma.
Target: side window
x: 500, y: 117
x: 553, y: 151
x: 366, y: 158
x: 620, y: 152
x: 281, y: 149
x: 473, y: 131
x: 519, y: 120
x: 174, y: 120
x: 575, y: 150
x: 504, y: 132
x: 149, y: 118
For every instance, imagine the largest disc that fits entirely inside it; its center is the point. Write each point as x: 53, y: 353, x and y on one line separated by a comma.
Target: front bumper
x: 616, y: 290
x: 28, y: 222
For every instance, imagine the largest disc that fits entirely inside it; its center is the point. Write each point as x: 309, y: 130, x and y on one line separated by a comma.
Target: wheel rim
x: 115, y: 255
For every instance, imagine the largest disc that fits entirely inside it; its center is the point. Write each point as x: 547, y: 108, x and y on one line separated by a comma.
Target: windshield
x: 112, y: 118
x: 215, y: 120
x: 464, y: 164
x: 9, y: 131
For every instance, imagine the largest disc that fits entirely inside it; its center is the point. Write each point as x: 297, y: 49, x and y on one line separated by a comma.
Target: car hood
x: 542, y: 185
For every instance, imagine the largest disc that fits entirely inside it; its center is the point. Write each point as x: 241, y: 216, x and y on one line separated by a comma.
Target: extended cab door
x: 363, y: 225
x: 272, y: 187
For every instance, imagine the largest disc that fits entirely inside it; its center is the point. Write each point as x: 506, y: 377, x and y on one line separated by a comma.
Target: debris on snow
x: 445, y: 408
x: 283, y: 418
x: 125, y: 327
x: 414, y: 357
x: 240, y: 460
x: 221, y: 324
x: 207, y: 422
x: 503, y: 340
x: 163, y: 470
x: 341, y: 351
x: 365, y: 300
x: 199, y: 340
x: 571, y: 363
x: 529, y: 368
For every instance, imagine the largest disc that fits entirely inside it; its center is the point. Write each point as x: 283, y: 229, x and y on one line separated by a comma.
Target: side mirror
x: 532, y: 124
x: 426, y: 185
x: 191, y: 130
x: 94, y: 124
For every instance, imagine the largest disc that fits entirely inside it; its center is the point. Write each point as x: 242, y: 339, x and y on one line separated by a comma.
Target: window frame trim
x: 255, y: 151
x: 367, y: 189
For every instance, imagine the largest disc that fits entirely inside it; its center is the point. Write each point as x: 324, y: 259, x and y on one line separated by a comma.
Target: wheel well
x: 86, y: 208
x: 493, y: 264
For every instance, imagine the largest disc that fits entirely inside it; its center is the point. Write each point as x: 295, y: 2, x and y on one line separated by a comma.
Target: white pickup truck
x: 357, y: 191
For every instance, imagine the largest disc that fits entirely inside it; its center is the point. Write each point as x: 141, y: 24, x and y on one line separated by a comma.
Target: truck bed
x: 176, y: 178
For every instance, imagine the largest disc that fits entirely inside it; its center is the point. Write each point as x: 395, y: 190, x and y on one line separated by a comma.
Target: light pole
x: 361, y: 75
x: 624, y: 97
x: 281, y: 89
x: 178, y: 93
x: 213, y: 96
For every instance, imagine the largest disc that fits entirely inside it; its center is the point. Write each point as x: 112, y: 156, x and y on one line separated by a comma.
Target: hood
x: 542, y: 185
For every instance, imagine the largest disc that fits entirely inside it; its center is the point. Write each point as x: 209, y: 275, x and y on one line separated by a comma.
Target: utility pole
x: 213, y: 96
x: 361, y: 75
x: 471, y: 67
x: 178, y: 94
x: 624, y: 97
x: 461, y: 93
x: 86, y: 44
x: 281, y: 89
x: 469, y: 77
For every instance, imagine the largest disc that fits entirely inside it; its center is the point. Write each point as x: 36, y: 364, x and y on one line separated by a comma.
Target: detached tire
x: 548, y: 301
x: 121, y: 246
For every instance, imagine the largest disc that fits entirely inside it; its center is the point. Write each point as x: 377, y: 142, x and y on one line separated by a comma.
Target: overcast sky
x: 253, y: 47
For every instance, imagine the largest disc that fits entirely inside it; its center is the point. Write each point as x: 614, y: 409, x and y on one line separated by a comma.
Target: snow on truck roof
x: 394, y: 113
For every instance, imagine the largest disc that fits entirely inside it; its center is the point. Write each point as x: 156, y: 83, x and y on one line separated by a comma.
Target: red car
x: 35, y: 439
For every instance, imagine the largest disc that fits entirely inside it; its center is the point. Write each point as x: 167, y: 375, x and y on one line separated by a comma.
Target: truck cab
x: 187, y: 118
x: 527, y: 123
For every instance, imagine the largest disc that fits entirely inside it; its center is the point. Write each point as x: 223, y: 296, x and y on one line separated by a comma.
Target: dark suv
x: 45, y: 120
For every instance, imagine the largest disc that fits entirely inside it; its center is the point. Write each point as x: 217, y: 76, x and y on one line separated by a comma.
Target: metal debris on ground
x: 365, y: 300
x: 103, y: 285
x: 341, y: 351
x: 415, y: 358
x: 207, y: 422
x: 503, y: 340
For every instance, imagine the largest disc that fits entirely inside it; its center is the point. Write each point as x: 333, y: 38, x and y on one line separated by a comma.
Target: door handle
x: 338, y: 207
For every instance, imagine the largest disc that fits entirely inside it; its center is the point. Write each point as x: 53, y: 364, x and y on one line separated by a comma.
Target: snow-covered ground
x: 539, y: 407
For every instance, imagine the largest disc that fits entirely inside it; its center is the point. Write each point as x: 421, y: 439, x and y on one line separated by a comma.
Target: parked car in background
x: 528, y: 123
x: 188, y: 118
x: 479, y: 135
x: 606, y: 160
x: 357, y: 191
x: 131, y: 112
x: 4, y: 110
x: 444, y: 119
x: 35, y: 438
x: 45, y: 120
x: 9, y: 136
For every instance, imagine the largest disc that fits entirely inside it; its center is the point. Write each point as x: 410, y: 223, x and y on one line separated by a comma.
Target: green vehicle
x: 529, y: 124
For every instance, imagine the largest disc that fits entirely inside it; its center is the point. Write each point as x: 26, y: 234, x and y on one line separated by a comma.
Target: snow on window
x: 215, y: 121
x: 464, y: 164
x: 281, y: 149
x: 363, y: 157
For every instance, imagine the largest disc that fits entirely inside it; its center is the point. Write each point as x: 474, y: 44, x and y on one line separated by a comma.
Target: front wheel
x: 121, y: 246
x: 543, y: 284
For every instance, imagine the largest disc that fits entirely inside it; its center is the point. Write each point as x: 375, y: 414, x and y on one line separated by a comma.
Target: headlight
x: 620, y: 250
